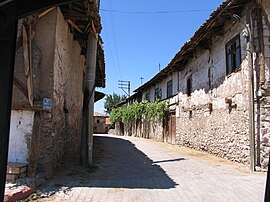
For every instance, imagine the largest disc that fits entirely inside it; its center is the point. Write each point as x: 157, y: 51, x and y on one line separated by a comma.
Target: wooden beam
x: 30, y: 74
x: 25, y: 51
x: 20, y: 86
x: 74, y: 15
x: 40, y: 15
x: 35, y: 107
x: 94, y: 29
x: 28, y: 66
x: 74, y: 25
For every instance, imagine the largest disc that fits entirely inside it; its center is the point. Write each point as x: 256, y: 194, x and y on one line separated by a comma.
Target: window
x: 98, y: 121
x: 233, y: 54
x: 169, y: 88
x: 158, y: 93
x: 147, y: 96
x: 189, y: 86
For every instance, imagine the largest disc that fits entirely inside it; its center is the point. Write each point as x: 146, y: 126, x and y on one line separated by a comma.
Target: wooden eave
x: 83, y: 18
x: 98, y: 96
x: 202, y: 38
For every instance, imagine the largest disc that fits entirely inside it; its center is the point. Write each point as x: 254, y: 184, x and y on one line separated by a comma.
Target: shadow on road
x: 121, y: 165
x: 117, y: 164
x: 169, y: 160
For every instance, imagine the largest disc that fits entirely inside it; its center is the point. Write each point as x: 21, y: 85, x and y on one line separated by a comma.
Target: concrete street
x: 135, y: 169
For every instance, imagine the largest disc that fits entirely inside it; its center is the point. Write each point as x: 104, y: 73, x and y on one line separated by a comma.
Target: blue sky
x: 139, y: 35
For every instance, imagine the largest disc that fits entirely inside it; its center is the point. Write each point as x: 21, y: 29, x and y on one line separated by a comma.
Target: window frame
x: 230, y: 56
x: 189, y: 86
x: 158, y: 93
x: 147, y: 96
x: 169, y: 88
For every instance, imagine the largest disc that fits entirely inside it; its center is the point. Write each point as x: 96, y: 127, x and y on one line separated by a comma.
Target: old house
x: 100, y: 123
x: 217, y: 86
x: 59, y: 62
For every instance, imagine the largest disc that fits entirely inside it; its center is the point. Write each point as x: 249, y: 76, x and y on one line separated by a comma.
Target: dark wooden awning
x: 99, y: 96
x: 83, y: 17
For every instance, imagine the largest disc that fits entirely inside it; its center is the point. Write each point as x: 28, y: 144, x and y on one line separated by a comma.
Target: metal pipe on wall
x: 251, y: 108
x: 88, y: 109
x: 251, y: 124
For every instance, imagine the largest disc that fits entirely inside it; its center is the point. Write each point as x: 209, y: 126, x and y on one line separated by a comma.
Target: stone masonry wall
x: 39, y: 143
x: 265, y: 87
x: 67, y: 93
x: 141, y: 128
x: 215, y: 117
x: 56, y: 133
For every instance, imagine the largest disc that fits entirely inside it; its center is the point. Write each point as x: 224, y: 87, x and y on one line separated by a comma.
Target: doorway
x: 170, y: 127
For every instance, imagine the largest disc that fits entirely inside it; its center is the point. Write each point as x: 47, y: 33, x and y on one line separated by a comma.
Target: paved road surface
x: 135, y: 169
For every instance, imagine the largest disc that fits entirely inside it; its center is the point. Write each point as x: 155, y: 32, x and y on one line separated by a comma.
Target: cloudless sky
x: 139, y: 35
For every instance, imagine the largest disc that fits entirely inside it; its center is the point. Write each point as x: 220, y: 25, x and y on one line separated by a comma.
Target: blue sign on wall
x: 47, y: 104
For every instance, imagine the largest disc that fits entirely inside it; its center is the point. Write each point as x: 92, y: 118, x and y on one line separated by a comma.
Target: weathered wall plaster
x: 21, y: 126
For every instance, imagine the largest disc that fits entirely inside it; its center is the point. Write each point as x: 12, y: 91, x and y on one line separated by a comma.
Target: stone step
x: 15, y: 171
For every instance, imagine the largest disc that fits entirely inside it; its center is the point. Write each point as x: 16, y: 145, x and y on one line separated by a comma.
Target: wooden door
x: 170, y: 128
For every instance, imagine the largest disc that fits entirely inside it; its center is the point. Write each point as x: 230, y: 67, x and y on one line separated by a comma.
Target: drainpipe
x: 88, y: 108
x: 250, y: 93
x: 251, y: 104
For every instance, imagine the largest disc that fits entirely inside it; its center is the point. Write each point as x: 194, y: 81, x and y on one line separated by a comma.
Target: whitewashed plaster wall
x: 221, y: 130
x: 163, y: 85
x: 20, y: 132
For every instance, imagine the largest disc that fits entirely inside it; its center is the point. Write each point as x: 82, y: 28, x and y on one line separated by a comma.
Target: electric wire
x: 108, y: 44
x: 155, y: 12
x: 114, y: 41
x: 106, y: 20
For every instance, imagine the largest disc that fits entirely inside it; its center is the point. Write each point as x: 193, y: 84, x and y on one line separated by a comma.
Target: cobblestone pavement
x: 135, y: 169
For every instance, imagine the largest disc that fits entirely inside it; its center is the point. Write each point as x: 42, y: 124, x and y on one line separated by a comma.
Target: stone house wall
x: 58, y: 69
x: 163, y: 86
x: 215, y: 118
x: 99, y: 125
x: 69, y: 66
x: 206, y: 121
x: 262, y: 58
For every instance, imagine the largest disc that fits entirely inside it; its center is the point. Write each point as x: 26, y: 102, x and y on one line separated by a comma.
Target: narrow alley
x: 135, y: 169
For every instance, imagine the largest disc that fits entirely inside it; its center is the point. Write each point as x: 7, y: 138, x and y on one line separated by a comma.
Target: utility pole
x: 141, y: 80
x: 124, y: 85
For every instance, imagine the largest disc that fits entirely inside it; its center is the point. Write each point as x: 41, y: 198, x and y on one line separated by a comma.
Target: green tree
x: 111, y: 100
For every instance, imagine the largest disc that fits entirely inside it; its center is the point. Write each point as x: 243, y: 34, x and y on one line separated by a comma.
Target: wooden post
x: 28, y: 64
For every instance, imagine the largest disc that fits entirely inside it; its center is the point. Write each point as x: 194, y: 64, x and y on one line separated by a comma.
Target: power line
x: 155, y: 12
x: 108, y: 21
